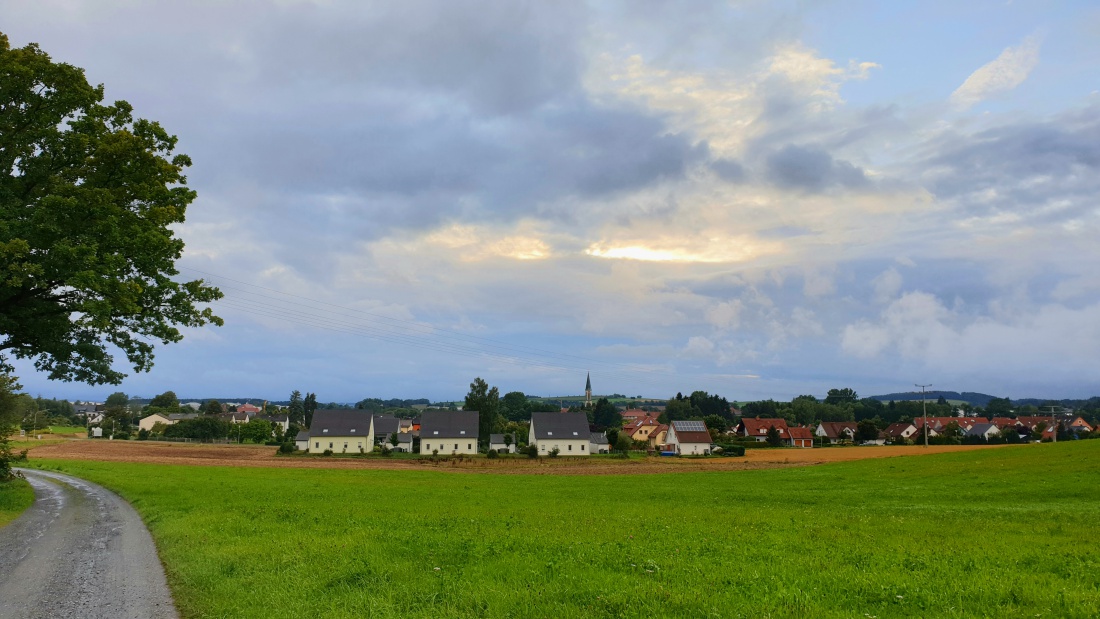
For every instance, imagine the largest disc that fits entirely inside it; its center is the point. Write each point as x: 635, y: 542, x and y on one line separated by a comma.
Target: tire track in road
x: 80, y: 551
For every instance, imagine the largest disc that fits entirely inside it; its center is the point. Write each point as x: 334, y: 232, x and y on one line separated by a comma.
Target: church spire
x: 588, y: 390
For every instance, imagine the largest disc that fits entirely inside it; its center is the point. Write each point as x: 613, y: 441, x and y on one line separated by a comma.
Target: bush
x: 143, y: 435
x: 532, y: 451
x: 492, y: 455
x: 327, y: 452
x: 554, y: 452
x: 287, y: 448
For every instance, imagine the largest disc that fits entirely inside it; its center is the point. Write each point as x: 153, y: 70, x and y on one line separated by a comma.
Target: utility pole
x: 1053, y: 424
x: 924, y: 406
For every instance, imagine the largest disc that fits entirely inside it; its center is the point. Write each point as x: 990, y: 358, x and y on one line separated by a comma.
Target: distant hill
x: 975, y: 399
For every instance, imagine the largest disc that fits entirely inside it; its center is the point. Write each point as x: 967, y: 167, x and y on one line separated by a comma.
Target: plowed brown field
x: 260, y: 456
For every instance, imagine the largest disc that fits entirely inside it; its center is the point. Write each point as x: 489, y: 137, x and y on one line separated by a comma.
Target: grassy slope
x: 1002, y: 532
x: 15, y: 496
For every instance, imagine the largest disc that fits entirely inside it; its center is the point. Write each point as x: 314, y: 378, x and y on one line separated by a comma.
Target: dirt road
x: 259, y: 456
x: 79, y: 551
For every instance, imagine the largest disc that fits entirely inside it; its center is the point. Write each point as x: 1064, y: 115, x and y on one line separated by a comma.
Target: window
x: 317, y: 444
x: 469, y: 446
x: 582, y: 447
x: 570, y: 448
x: 330, y: 445
x: 456, y: 446
x: 435, y: 431
x: 325, y: 431
x: 353, y: 430
x: 549, y: 434
x: 574, y: 434
x: 462, y: 432
x: 345, y: 446
x: 543, y: 447
x: 427, y: 446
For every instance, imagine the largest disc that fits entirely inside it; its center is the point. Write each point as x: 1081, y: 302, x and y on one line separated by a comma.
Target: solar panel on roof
x: 691, y: 426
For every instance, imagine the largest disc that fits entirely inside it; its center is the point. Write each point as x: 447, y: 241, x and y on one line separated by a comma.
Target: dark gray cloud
x: 729, y: 170
x: 811, y: 169
x: 1049, y: 170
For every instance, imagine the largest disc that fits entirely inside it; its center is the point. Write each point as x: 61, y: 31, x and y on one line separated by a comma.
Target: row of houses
x: 835, y: 432
x: 147, y: 423
x: 457, y: 433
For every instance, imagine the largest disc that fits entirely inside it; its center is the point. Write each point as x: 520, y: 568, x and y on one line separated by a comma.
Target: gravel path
x: 80, y: 551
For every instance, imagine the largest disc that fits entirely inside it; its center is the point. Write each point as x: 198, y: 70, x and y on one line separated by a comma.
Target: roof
x: 496, y: 439
x: 834, y: 429
x: 980, y: 429
x: 274, y: 418
x: 303, y: 435
x: 560, y: 425
x: 799, y: 433
x: 598, y: 438
x: 182, y: 416
x: 449, y: 424
x: 385, y: 425
x: 588, y: 382
x: 755, y: 426
x: 690, y: 431
x: 340, y: 422
x: 897, y: 429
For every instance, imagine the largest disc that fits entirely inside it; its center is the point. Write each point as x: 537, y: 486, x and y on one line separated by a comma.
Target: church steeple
x: 588, y: 390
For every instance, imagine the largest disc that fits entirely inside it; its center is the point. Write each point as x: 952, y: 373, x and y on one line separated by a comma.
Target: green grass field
x: 15, y: 496
x: 995, y: 533
x: 68, y: 430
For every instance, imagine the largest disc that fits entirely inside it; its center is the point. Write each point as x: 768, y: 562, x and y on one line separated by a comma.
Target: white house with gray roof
x: 497, y: 443
x: 342, y: 431
x: 566, y: 432
x: 449, y: 432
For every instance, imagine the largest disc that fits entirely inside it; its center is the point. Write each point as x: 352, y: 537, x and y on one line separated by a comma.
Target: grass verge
x: 15, y: 496
x: 986, y: 534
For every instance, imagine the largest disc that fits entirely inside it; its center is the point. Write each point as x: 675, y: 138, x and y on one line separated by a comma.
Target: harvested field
x: 262, y: 456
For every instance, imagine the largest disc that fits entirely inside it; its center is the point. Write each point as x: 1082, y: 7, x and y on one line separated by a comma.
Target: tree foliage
x: 88, y: 198
x: 841, y: 396
x: 486, y: 401
x: 296, y: 410
x: 515, y: 406
x: 308, y: 406
x: 606, y: 415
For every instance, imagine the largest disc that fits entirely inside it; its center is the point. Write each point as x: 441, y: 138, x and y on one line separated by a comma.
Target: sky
x: 757, y: 199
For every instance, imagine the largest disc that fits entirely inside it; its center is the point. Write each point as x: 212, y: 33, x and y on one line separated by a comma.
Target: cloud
x: 811, y: 169
x: 1001, y: 75
x: 1027, y: 171
x: 886, y: 285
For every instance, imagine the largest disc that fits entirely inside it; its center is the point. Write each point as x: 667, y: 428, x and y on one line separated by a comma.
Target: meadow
x: 994, y: 533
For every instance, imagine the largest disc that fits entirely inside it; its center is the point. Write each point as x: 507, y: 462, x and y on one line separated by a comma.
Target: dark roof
x: 340, y: 422
x: 303, y: 435
x: 385, y: 425
x: 690, y: 431
x: 448, y: 424
x: 598, y: 438
x: 560, y: 425
x: 180, y: 416
x: 980, y: 429
x: 497, y: 439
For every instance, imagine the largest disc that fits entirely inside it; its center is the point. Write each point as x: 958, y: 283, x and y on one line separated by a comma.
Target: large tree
x: 88, y: 199
x: 167, y: 402
x: 846, y: 395
x: 606, y: 415
x: 486, y: 401
x: 309, y: 406
x: 296, y: 411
